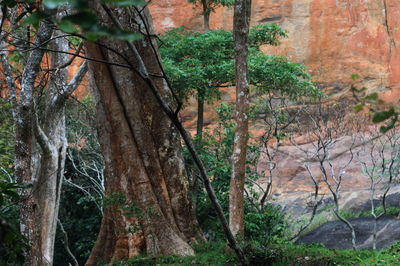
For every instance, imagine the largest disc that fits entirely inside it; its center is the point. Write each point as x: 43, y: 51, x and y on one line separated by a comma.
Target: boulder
x: 336, y: 235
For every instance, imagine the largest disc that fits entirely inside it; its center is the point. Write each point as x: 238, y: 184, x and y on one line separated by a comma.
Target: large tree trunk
x: 141, y: 150
x: 241, y: 21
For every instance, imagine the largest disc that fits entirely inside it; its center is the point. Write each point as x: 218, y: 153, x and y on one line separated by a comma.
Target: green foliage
x: 266, y: 226
x: 378, y: 210
x: 266, y: 34
x: 383, y: 115
x: 81, y: 220
x: 12, y: 242
x: 215, y: 151
x: 268, y: 74
x: 82, y: 21
x: 197, y: 63
x: 6, y: 142
x: 276, y: 255
x: 211, y: 4
x: 389, y: 117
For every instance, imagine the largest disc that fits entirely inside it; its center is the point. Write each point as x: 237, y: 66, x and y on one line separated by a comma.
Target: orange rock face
x: 334, y: 38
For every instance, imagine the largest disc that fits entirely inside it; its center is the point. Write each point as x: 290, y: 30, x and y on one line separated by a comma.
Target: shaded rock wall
x: 334, y: 38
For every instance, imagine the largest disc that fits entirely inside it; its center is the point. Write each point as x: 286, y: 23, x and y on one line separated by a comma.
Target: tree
x: 209, y: 6
x: 241, y: 25
x: 39, y: 131
x: 200, y: 63
x: 197, y: 64
x: 146, y: 185
x: 155, y: 213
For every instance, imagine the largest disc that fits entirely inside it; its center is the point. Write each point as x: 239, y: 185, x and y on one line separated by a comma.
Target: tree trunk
x: 200, y: 95
x: 206, y: 15
x: 141, y: 150
x: 27, y: 168
x: 50, y: 161
x: 200, y: 117
x: 241, y: 21
x: 40, y: 150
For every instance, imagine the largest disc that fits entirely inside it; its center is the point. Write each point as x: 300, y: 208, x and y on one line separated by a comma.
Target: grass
x: 283, y: 254
x: 378, y: 210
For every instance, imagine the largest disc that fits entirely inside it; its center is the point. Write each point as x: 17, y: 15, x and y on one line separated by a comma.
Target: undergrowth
x: 282, y: 254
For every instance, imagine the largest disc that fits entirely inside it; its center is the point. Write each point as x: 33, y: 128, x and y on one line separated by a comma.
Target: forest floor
x: 283, y: 254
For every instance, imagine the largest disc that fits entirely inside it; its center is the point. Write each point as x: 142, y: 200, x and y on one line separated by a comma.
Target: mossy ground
x: 284, y: 254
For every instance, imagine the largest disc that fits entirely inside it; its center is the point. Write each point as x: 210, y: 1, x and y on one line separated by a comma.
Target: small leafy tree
x: 209, y: 6
x: 197, y: 64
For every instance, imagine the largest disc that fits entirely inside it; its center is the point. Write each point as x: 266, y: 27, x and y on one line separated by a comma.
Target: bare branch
x: 66, y: 243
x: 76, y: 79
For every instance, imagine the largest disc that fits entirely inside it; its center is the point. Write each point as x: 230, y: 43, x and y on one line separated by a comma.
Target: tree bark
x: 40, y: 147
x: 241, y: 21
x: 141, y: 150
x: 200, y: 94
x: 26, y: 167
x: 200, y: 117
x: 206, y: 15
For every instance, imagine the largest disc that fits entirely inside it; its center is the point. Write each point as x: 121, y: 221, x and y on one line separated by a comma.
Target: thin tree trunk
x: 200, y: 117
x: 141, y: 150
x: 206, y: 15
x: 200, y: 94
x: 241, y: 23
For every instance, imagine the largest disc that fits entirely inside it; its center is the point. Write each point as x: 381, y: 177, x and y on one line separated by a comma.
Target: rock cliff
x: 334, y: 38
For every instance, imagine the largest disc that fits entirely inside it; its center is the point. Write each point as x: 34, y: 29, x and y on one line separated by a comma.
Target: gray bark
x: 241, y: 24
x: 40, y: 149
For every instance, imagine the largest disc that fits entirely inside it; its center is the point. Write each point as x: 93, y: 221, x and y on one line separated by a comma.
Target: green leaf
x: 9, y: 3
x: 383, y: 115
x: 85, y: 19
x: 34, y: 19
x: 98, y: 30
x: 358, y: 107
x: 67, y: 26
x: 384, y: 129
x: 355, y: 76
x: 372, y: 97
x: 125, y: 3
x: 53, y: 4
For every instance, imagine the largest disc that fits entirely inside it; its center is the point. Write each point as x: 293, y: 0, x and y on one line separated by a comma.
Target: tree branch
x: 76, y: 79
x: 66, y: 243
x: 10, y: 80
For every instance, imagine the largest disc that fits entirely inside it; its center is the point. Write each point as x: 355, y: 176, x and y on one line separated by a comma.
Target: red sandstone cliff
x: 334, y: 38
